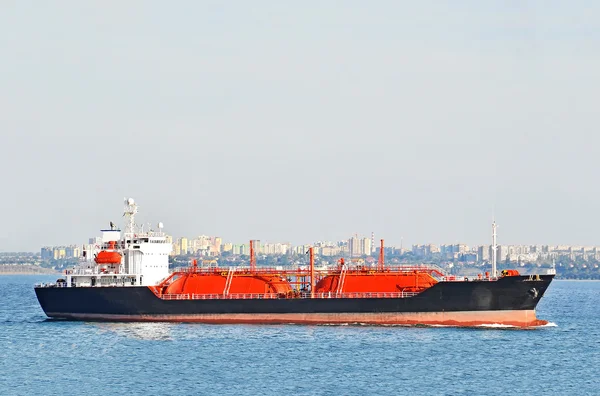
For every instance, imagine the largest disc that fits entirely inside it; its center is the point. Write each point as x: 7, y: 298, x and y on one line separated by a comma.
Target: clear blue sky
x: 301, y: 121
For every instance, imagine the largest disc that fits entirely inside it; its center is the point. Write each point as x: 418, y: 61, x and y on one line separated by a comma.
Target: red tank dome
x: 214, y: 283
x: 105, y: 257
x: 377, y: 282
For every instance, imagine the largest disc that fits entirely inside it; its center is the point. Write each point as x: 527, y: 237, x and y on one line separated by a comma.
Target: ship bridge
x: 135, y: 257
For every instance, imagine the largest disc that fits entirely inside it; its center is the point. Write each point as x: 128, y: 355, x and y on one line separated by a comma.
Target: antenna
x: 130, y: 211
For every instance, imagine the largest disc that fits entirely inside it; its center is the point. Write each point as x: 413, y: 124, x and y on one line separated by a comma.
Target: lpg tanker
x: 129, y: 280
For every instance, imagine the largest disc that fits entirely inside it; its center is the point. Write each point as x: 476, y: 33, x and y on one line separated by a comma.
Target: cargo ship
x: 129, y: 279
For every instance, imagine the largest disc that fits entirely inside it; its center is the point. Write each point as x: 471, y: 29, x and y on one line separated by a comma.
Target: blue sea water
x: 39, y: 356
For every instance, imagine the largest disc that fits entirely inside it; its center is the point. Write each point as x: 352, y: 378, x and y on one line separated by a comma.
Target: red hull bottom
x: 518, y: 318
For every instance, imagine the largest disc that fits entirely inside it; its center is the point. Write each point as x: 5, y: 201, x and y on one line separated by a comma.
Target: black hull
x: 510, y: 300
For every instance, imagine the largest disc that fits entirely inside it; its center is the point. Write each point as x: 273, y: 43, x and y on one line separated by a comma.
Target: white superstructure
x: 136, y: 258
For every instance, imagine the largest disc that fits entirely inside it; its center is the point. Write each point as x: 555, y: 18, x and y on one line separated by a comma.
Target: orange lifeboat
x: 106, y: 257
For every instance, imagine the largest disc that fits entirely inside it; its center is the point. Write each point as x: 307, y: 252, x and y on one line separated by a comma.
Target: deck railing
x: 283, y: 296
x: 50, y: 284
x: 241, y: 269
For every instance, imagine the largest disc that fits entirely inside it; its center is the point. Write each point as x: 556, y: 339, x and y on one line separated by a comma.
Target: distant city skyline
x: 371, y: 236
x: 213, y: 248
x: 302, y: 121
x: 368, y: 239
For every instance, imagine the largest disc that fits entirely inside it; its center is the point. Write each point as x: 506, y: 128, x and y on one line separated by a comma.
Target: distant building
x: 216, y: 245
x: 59, y: 253
x: 330, y: 251
x: 227, y: 247
x: 502, y: 253
x: 365, y: 246
x: 354, y: 246
x: 469, y: 257
x: 418, y: 251
x: 483, y: 252
x: 429, y: 250
x: 183, y: 245
x: 176, y: 249
x: 47, y: 253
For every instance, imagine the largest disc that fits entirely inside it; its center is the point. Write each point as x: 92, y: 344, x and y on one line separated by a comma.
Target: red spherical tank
x: 214, y: 283
x: 377, y: 282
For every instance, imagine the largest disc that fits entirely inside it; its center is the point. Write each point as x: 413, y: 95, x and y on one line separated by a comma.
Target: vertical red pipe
x: 252, y: 257
x: 381, y: 257
x: 312, y: 273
